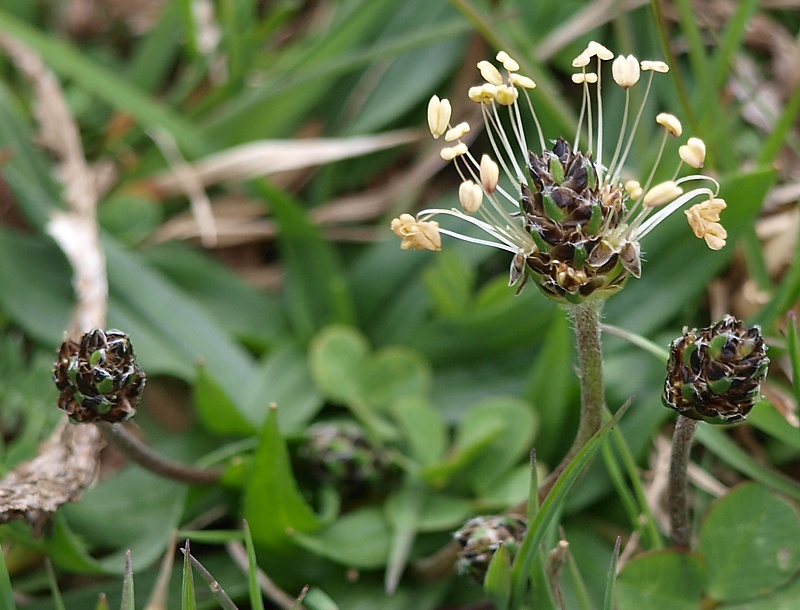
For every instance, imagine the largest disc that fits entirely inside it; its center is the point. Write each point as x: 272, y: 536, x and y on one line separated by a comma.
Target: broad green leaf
x: 465, y: 454
x: 519, y: 429
x: 360, y: 539
x: 216, y: 410
x: 393, y: 373
x: 661, y: 579
x: 36, y: 291
x: 450, y: 282
x: 283, y: 377
x: 424, y: 432
x: 338, y: 355
x: 443, y: 512
x: 316, y: 289
x: 273, y: 505
x: 152, y: 507
x: 750, y: 541
x: 784, y: 598
x: 403, y: 514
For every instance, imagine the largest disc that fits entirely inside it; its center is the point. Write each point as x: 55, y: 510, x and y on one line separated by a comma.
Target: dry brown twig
x: 67, y: 461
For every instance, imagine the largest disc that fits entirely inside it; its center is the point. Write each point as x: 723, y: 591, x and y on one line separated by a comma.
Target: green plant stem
x: 678, y: 487
x: 118, y: 436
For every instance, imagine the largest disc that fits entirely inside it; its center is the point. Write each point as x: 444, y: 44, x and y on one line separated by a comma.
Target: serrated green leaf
x: 750, y: 541
x: 273, y: 505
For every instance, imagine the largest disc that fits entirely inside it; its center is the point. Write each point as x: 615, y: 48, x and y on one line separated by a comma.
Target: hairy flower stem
x: 678, y: 486
x: 586, y: 322
x: 133, y: 448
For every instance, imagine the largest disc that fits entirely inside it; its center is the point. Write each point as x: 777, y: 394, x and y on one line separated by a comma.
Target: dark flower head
x: 714, y: 374
x: 98, y: 378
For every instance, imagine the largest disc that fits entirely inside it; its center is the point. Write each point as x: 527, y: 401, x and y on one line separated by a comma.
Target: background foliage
x: 297, y: 295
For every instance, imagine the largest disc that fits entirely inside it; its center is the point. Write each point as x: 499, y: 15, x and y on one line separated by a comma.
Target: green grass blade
x: 732, y: 40
x: 552, y: 506
x: 69, y: 62
x: 128, y: 598
x: 794, y: 354
x: 188, y: 601
x: 780, y: 132
x: 55, y: 593
x: 729, y: 452
x: 6, y: 591
x: 256, y: 599
x: 611, y: 581
x: 223, y: 599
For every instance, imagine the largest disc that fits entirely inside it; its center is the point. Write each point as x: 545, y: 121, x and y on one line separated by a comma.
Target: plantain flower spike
x: 563, y: 210
x: 714, y: 374
x: 98, y: 378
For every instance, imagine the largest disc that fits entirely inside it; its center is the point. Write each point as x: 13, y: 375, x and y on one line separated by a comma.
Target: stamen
x: 439, y: 112
x: 693, y: 152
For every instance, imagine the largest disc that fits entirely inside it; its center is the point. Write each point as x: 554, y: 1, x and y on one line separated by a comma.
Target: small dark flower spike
x: 98, y: 377
x: 714, y: 374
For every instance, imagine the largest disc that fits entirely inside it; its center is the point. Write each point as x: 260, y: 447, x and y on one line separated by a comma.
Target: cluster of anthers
x: 573, y: 225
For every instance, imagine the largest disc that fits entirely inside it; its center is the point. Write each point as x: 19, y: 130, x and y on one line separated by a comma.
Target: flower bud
x: 714, y: 374
x: 98, y: 378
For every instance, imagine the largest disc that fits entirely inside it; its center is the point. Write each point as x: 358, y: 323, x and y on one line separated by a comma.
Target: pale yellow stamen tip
x: 671, y: 123
x: 483, y: 94
x: 457, y: 132
x: 693, y: 152
x: 451, y: 152
x: 704, y: 220
x: 662, y: 193
x: 655, y: 66
x: 506, y: 96
x: 584, y: 77
x: 581, y: 60
x: 634, y: 189
x: 508, y: 62
x: 490, y: 174
x: 489, y: 73
x: 625, y: 71
x: 417, y: 234
x: 471, y: 196
x: 521, y: 81
x: 595, y: 48
x: 439, y: 112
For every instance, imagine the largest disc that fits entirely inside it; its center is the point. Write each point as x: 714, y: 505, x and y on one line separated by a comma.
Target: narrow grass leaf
x: 55, y: 593
x: 404, y: 516
x: 6, y: 590
x: 188, y: 601
x: 611, y: 580
x: 68, y: 62
x: 794, y: 354
x: 256, y: 599
x: 497, y: 583
x: 552, y: 505
x: 732, y: 454
x: 223, y: 599
x: 128, y: 599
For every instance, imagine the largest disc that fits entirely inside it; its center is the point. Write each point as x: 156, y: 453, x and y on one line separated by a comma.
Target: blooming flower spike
x: 563, y: 212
